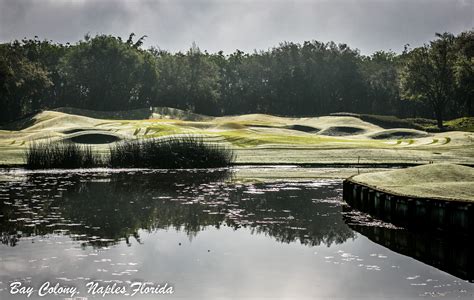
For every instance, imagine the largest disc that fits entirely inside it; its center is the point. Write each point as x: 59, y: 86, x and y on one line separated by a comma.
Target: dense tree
x: 429, y: 75
x: 314, y: 78
x: 47, y: 55
x: 382, y: 77
x: 106, y: 73
x: 464, y: 72
x: 202, y: 90
x: 22, y: 83
x: 188, y: 81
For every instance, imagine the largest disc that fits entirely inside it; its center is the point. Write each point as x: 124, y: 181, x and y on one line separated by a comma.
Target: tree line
x: 105, y: 72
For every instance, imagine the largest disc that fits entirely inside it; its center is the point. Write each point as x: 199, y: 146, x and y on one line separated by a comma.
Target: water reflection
x: 208, y: 235
x: 450, y: 253
x: 101, y: 209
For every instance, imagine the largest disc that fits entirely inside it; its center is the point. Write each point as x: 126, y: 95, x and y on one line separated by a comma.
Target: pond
x: 206, y: 235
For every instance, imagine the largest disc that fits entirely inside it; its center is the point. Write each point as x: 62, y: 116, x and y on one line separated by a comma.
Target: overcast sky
x: 368, y: 25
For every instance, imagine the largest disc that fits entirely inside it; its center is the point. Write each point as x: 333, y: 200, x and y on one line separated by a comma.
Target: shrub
x: 463, y: 124
x: 64, y: 155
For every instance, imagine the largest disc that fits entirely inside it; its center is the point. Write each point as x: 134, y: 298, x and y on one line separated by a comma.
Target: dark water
x: 209, y: 237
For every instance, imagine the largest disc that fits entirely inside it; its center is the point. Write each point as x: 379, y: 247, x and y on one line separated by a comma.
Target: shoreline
x: 297, y: 165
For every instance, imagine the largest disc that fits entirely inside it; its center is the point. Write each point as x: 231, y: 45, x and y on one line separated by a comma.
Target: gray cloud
x: 227, y: 25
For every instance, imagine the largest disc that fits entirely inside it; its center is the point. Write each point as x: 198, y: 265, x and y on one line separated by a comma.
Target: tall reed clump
x: 183, y: 152
x: 60, y: 155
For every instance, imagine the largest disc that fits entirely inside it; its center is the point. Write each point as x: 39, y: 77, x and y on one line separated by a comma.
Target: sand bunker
x: 92, y: 137
x: 303, y: 128
x: 342, y: 131
x: 399, y: 133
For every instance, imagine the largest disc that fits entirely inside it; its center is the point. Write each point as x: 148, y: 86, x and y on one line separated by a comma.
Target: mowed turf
x: 256, y: 138
x: 433, y: 181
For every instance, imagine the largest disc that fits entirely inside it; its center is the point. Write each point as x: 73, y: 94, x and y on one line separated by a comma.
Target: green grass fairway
x: 256, y: 138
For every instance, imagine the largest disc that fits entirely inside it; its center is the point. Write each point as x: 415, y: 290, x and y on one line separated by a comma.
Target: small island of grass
x: 431, y: 197
x: 436, y: 181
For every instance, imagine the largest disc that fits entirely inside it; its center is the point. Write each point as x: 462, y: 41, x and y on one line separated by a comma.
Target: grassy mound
x: 171, y: 153
x: 383, y: 121
x: 76, y: 130
x: 230, y: 126
x: 60, y: 155
x: 255, y: 138
x: 52, y: 120
x: 261, y: 119
x: 135, y: 114
x: 399, y: 133
x: 176, y: 114
x: 342, y: 131
x: 438, y: 181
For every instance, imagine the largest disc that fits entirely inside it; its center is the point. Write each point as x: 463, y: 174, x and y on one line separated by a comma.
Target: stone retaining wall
x: 419, y: 213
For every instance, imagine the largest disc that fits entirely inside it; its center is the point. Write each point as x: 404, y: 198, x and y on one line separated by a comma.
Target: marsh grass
x: 183, y: 152
x: 61, y: 155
